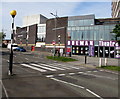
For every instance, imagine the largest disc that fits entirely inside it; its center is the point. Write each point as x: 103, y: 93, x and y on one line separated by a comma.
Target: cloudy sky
x: 78, y: 7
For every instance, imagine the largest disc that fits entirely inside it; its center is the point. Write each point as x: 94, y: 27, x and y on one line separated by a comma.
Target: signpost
x: 54, y: 46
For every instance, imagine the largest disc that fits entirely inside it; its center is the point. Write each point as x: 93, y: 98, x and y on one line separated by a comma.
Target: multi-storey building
x: 78, y: 35
x: 84, y: 35
x: 33, y: 31
x: 115, y: 8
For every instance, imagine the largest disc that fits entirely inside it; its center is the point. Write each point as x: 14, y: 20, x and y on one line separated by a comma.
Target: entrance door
x: 112, y: 51
x: 101, y: 52
x: 96, y: 51
x: 106, y: 51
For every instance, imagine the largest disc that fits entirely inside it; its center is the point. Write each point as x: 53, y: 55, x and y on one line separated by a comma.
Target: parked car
x: 21, y: 49
x: 14, y: 46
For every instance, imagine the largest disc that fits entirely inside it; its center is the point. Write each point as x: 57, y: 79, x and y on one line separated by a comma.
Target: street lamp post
x: 12, y: 13
x: 55, y: 15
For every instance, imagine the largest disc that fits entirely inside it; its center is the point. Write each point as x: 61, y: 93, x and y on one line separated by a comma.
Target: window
x: 40, y: 37
x: 41, y: 29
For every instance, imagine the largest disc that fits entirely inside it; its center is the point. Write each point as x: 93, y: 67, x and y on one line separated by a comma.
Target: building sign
x: 91, y: 50
x: 108, y: 43
x: 80, y: 42
x: 91, y: 43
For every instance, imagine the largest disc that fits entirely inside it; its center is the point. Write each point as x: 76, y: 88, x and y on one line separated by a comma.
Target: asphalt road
x: 36, y: 76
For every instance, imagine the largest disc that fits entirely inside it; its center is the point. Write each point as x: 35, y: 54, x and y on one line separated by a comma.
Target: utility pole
x: 55, y: 15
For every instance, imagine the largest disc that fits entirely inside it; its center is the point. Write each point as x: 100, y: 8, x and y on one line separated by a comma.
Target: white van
x: 13, y: 47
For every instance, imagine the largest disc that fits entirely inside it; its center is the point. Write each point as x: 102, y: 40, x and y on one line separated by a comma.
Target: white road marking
x: 77, y: 86
x: 101, y: 70
x: 71, y: 73
x: 89, y: 71
x: 67, y: 83
x: 52, y: 67
x: 26, y: 58
x: 109, y: 72
x: 61, y: 74
x: 95, y: 71
x: 38, y: 69
x: 68, y: 66
x: 94, y: 93
x: 60, y: 66
x: 44, y: 67
x: 4, y: 89
x: 49, y: 76
x: 80, y: 72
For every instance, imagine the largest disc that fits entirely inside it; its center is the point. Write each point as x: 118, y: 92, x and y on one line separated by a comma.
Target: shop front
x: 108, y: 49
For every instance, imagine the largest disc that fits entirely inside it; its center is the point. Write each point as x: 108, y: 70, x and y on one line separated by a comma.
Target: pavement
x: 91, y: 61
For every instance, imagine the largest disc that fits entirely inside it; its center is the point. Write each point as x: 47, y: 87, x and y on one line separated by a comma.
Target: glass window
x: 76, y: 23
x: 77, y: 28
x: 81, y: 28
x: 41, y: 29
x: 91, y: 35
x: 106, y: 35
x: 106, y: 27
x: 96, y: 27
x: 73, y: 28
x: 86, y: 28
x: 81, y: 22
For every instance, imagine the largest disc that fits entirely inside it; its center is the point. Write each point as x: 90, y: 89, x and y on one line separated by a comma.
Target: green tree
x: 116, y: 30
x: 2, y: 35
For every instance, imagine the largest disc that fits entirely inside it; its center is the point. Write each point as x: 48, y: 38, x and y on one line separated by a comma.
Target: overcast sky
x: 81, y: 7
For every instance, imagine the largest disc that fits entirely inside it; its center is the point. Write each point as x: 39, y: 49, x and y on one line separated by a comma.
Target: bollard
x: 85, y: 59
x: 105, y: 61
x: 100, y: 62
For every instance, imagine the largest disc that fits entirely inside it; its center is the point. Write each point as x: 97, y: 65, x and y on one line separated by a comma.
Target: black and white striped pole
x: 12, y: 13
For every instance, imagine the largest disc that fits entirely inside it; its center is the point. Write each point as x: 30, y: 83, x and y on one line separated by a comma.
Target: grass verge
x: 63, y: 59
x: 115, y: 68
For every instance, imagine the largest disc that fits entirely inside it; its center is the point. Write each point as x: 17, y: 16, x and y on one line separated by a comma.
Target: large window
x: 92, y: 32
x: 40, y: 37
x: 85, y: 22
x: 41, y: 29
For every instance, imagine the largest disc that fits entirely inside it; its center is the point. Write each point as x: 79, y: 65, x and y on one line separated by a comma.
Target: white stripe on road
x: 97, y: 75
x: 109, y: 72
x: 38, y: 69
x: 77, y: 86
x: 44, y: 67
x: 4, y: 89
x: 60, y: 66
x: 95, y: 71
x: 69, y: 67
x: 80, y: 72
x: 88, y: 71
x: 94, y: 93
x: 52, y: 67
x: 26, y: 58
x: 71, y: 73
x: 49, y: 76
x: 61, y: 75
x: 67, y: 83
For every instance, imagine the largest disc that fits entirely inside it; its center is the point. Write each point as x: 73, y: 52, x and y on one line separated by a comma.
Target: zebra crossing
x: 49, y: 67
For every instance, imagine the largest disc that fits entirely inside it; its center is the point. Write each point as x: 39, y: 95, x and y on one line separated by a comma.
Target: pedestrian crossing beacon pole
x: 13, y: 13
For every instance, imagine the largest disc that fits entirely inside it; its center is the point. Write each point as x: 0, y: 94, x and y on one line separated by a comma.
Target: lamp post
x: 55, y: 15
x: 12, y: 13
